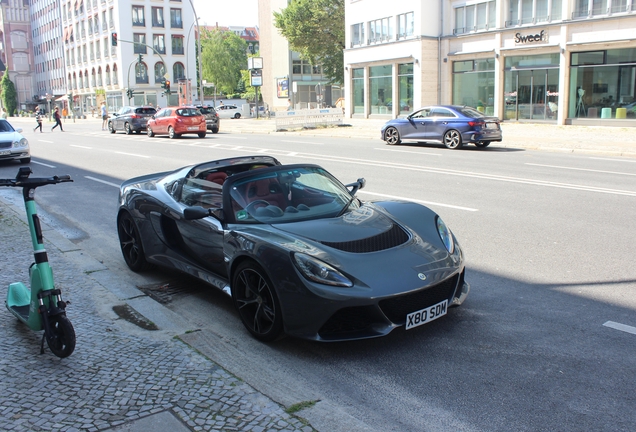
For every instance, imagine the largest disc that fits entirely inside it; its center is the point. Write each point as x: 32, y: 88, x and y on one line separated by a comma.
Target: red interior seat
x: 267, y: 190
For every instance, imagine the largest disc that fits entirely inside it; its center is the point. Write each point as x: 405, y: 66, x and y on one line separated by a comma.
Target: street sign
x: 257, y: 77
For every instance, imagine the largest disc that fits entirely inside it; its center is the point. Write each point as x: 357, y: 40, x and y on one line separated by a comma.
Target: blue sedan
x: 449, y: 124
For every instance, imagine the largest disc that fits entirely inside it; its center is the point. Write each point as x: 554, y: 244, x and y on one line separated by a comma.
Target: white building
x: 561, y: 61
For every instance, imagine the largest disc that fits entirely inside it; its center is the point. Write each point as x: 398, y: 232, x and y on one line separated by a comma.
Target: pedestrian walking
x: 38, y: 119
x: 58, y: 119
x: 104, y: 115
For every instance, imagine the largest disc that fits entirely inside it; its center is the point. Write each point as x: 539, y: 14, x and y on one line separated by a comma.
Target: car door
x: 415, y: 126
x: 117, y: 119
x: 441, y: 120
x: 162, y: 120
x: 202, y: 238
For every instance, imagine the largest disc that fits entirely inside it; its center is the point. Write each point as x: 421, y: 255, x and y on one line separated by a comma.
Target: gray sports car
x: 294, y: 248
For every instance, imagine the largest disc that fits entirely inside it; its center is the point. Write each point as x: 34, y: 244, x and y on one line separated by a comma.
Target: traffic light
x: 113, y: 38
x: 130, y: 93
x: 167, y: 85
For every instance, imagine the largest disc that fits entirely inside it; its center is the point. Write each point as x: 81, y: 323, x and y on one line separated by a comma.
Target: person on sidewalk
x: 38, y: 119
x: 104, y: 113
x: 58, y: 119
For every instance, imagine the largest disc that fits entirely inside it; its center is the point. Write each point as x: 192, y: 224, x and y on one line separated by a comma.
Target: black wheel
x: 130, y: 243
x: 215, y: 130
x: 25, y: 160
x: 256, y: 301
x: 127, y: 128
x: 202, y: 134
x: 452, y: 139
x: 482, y: 144
x: 237, y: 116
x: 61, y: 341
x: 172, y: 134
x: 150, y: 132
x: 392, y: 136
x: 111, y: 128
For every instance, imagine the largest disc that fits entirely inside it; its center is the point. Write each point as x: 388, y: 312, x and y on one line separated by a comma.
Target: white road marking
x: 419, y: 201
x: 614, y: 160
x: 407, y: 151
x: 232, y: 137
x: 621, y: 327
x: 581, y: 169
x: 102, y: 181
x: 132, y: 154
x: 43, y: 164
x: 45, y: 141
x: 79, y: 146
x: 301, y: 142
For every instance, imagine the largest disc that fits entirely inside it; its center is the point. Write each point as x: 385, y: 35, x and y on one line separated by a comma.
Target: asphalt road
x: 539, y: 344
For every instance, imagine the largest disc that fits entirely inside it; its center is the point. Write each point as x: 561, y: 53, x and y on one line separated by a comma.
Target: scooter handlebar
x: 22, y: 179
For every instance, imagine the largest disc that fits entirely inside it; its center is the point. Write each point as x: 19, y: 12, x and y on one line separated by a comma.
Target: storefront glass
x: 405, y: 82
x: 531, y: 87
x: 603, y: 84
x: 474, y: 84
x: 381, y: 89
x: 357, y: 86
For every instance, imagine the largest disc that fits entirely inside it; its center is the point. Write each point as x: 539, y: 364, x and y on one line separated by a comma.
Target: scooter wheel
x: 62, y: 339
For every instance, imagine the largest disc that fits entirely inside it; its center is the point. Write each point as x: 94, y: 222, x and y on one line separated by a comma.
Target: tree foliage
x: 223, y: 56
x: 9, y: 95
x: 316, y: 29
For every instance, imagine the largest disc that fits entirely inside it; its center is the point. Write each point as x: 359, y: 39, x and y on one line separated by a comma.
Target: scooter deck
x: 23, y: 311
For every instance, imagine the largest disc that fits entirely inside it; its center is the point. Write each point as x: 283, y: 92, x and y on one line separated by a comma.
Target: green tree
x: 316, y: 29
x: 9, y: 95
x: 223, y: 56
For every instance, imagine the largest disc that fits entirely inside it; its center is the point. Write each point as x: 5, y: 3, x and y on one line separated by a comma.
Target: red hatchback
x: 176, y: 121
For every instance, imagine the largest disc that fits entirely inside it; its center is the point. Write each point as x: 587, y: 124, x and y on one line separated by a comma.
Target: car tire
x: 111, y: 128
x: 150, y: 133
x: 127, y: 128
x: 172, y: 134
x: 215, y: 130
x: 201, y: 134
x: 130, y: 243
x: 482, y: 144
x: 25, y: 160
x: 237, y: 116
x: 256, y: 301
x: 452, y: 139
x: 392, y: 136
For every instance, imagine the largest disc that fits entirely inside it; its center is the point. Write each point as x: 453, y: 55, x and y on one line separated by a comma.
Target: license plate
x: 5, y: 152
x: 193, y: 127
x: 492, y: 126
x: 426, y: 315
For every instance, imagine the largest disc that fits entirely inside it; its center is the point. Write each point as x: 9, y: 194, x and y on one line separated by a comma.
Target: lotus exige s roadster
x: 296, y: 250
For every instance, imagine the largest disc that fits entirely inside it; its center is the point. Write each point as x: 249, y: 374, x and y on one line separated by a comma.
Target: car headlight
x: 445, y: 235
x: 319, y: 271
x: 20, y: 143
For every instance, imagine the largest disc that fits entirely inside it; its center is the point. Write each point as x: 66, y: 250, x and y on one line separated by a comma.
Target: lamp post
x: 200, y: 80
x: 48, y: 100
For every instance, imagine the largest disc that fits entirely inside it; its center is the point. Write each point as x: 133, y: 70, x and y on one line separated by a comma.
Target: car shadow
x: 465, y: 147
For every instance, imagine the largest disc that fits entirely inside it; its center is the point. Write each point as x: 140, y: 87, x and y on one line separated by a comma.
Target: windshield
x: 188, y: 112
x: 288, y: 194
x: 470, y: 112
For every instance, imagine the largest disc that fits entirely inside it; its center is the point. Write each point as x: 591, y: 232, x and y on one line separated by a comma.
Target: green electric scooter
x: 41, y: 307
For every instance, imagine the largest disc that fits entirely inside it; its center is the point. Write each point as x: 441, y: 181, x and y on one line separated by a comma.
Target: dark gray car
x: 131, y: 119
x: 212, y: 120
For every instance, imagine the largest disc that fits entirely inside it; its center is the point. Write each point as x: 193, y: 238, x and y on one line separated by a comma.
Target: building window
x: 178, y: 71
x: 177, y: 45
x: 141, y: 73
x: 140, y: 43
x: 157, y: 17
x: 115, y: 77
x: 357, y: 34
x: 175, y: 18
x: 160, y: 71
x: 98, y: 51
x: 535, y: 11
x: 380, y: 30
x: 159, y: 43
x: 111, y: 18
x: 381, y: 89
x: 405, y: 87
x: 138, y: 17
x: 476, y: 17
x: 357, y: 87
x: 406, y: 26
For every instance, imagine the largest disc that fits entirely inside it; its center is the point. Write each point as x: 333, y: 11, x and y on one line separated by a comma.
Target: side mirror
x: 355, y: 187
x: 196, y: 212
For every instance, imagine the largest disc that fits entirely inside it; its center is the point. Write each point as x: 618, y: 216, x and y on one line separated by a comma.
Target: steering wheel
x: 252, y: 206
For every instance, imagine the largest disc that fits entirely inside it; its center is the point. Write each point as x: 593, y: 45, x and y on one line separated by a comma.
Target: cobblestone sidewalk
x: 114, y: 379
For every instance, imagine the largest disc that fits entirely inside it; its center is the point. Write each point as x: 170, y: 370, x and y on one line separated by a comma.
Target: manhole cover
x: 165, y: 291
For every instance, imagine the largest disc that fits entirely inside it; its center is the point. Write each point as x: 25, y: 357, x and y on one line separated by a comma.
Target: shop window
x: 405, y: 88
x: 381, y: 89
x: 357, y: 85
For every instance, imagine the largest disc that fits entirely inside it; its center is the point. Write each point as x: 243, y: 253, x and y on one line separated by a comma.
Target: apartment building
x: 558, y: 61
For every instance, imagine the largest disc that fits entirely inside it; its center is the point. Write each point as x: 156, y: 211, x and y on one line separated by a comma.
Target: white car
x: 228, y: 111
x: 12, y: 144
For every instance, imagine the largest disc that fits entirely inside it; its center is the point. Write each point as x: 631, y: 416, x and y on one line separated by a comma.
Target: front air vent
x: 388, y: 239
